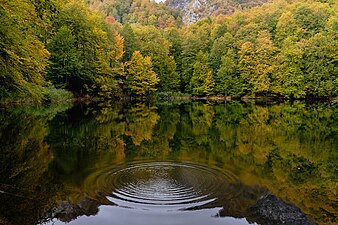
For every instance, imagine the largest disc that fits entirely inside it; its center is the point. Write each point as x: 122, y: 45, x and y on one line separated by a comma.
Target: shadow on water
x: 172, y: 162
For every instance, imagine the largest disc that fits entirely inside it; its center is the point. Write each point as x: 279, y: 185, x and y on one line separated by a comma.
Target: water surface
x: 169, y: 163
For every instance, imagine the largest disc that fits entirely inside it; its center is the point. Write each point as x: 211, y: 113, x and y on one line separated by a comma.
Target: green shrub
x: 57, y: 95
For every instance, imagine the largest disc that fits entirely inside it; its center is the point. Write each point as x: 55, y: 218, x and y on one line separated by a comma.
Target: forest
x: 53, y: 49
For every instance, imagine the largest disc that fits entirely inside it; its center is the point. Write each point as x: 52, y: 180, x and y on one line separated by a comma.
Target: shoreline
x: 89, y: 99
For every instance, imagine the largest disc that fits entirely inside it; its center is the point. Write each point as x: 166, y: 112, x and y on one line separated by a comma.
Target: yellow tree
x: 141, y: 79
x: 256, y: 63
x: 116, y: 54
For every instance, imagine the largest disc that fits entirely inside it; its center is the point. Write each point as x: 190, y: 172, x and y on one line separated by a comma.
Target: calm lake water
x: 172, y: 163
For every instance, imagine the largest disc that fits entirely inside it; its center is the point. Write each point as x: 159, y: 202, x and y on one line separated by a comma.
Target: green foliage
x: 65, y: 58
x: 290, y: 79
x: 152, y: 43
x: 131, y: 45
x: 256, y: 63
x: 321, y: 66
x: 220, y: 48
x: 194, y: 39
x: 202, y: 82
x: 57, y: 95
x: 79, y: 49
x: 228, y: 79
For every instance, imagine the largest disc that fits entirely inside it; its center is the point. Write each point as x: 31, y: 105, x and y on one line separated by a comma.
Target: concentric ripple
x: 162, y: 184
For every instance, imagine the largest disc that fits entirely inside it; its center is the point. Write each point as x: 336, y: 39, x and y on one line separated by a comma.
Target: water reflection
x: 27, y: 187
x: 119, y: 159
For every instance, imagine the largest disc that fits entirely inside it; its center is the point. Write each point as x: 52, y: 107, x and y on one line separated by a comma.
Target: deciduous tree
x: 141, y: 79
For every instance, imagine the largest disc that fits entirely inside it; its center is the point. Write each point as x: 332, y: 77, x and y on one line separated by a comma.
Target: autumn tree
x: 141, y: 79
x: 153, y: 44
x: 256, y: 64
x: 23, y: 57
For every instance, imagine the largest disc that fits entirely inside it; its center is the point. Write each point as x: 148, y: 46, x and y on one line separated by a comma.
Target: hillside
x: 145, y: 12
x: 168, y: 13
x: 194, y: 10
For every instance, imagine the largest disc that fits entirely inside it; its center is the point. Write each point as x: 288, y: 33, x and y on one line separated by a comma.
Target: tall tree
x: 81, y: 51
x: 220, y: 47
x: 65, y: 57
x: 290, y: 78
x: 320, y: 62
x: 195, y: 38
x: 256, y: 63
x: 141, y: 79
x: 228, y: 80
x: 153, y: 44
x: 202, y: 82
x: 130, y: 42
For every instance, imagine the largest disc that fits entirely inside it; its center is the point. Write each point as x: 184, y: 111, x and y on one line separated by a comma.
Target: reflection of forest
x: 27, y: 187
x: 288, y: 148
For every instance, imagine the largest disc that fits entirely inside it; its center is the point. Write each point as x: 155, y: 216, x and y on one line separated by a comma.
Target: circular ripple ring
x: 165, y: 184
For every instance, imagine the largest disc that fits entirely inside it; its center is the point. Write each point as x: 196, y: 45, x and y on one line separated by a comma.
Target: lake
x: 169, y: 163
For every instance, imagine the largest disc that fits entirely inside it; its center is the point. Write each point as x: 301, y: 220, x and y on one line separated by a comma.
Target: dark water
x: 169, y: 163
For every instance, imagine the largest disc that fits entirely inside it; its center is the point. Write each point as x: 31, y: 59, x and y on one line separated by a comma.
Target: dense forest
x: 115, y: 48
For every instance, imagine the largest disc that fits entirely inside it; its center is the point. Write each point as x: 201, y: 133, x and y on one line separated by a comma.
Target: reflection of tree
x: 141, y: 120
x: 201, y: 116
x: 288, y: 148
x: 164, y: 131
x: 82, y: 135
x: 26, y: 186
x: 255, y: 134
